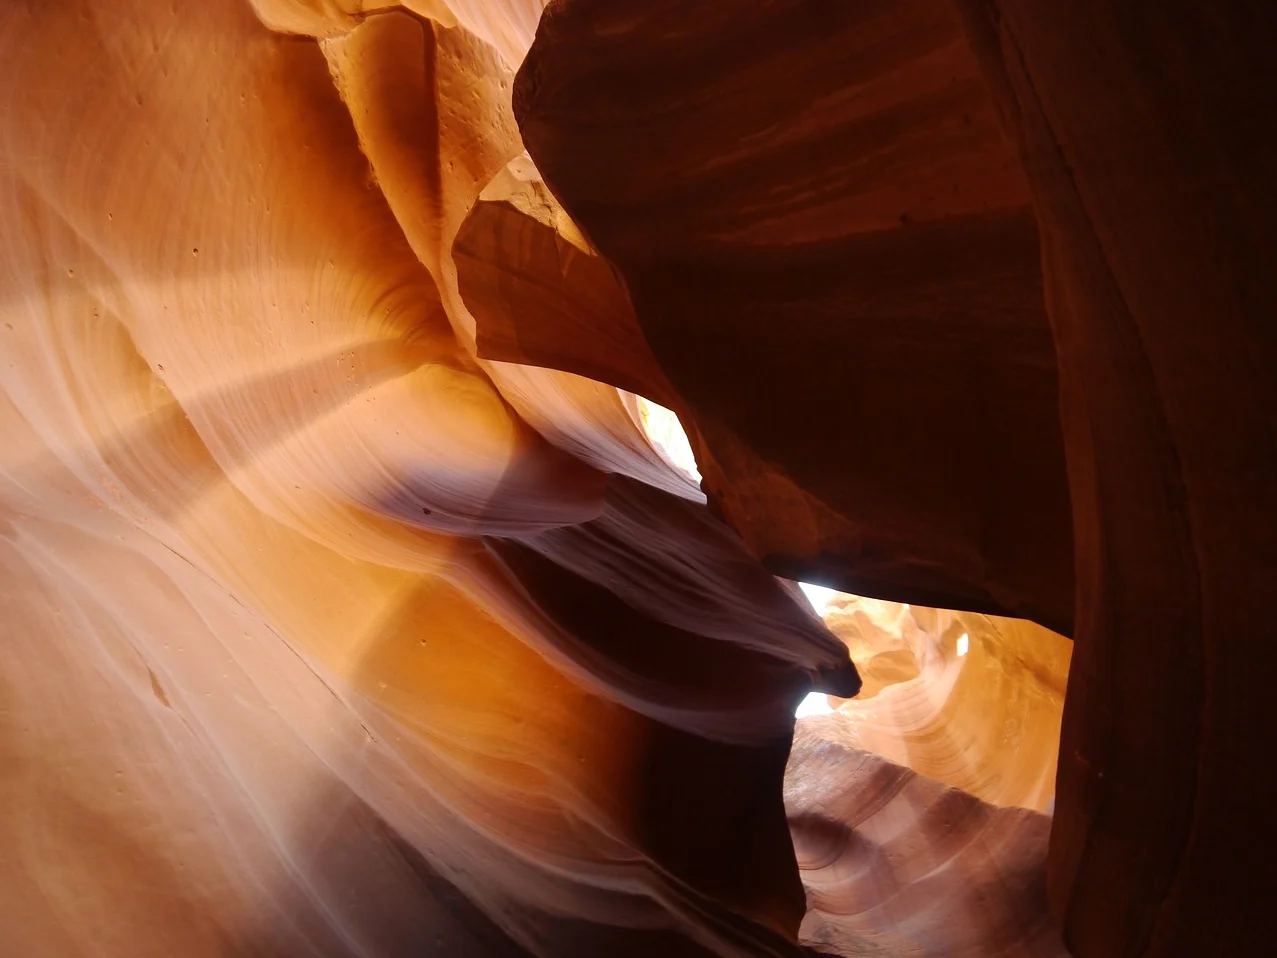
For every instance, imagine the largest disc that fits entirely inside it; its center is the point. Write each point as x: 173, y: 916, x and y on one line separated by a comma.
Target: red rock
x: 1148, y: 142
x: 839, y: 274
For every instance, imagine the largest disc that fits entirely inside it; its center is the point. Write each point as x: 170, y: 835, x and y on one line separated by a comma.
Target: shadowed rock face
x: 857, y: 237
x: 1146, y: 137
x: 348, y: 610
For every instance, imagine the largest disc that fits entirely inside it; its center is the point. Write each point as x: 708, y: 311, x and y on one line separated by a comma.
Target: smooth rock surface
x: 281, y: 671
x: 858, y: 238
x: 1148, y: 138
x: 350, y: 607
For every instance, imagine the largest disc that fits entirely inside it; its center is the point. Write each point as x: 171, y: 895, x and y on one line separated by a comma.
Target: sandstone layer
x: 310, y: 611
x: 349, y: 606
x: 859, y: 238
x: 970, y: 700
x: 898, y: 864
x: 843, y: 189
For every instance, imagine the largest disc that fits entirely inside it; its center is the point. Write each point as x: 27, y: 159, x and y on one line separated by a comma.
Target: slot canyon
x: 618, y: 478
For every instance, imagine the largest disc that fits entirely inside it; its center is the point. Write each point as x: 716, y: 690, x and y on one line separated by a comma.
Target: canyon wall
x: 846, y: 186
x: 310, y: 612
x: 349, y: 609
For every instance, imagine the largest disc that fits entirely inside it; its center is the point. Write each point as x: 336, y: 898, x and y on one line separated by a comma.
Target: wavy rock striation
x: 1147, y: 138
x: 307, y: 623
x: 349, y: 610
x: 858, y: 236
x: 898, y: 864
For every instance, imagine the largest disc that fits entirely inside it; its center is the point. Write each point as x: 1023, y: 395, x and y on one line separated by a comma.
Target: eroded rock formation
x: 288, y: 570
x: 971, y: 700
x: 1148, y: 140
x: 1146, y: 136
x: 897, y: 864
x: 348, y: 610
x: 907, y: 442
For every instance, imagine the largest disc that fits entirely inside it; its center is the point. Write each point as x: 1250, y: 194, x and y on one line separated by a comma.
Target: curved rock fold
x: 351, y: 605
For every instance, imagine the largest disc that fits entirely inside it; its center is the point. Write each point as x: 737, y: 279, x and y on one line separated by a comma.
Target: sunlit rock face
x: 312, y: 614
x: 359, y: 589
x: 970, y: 700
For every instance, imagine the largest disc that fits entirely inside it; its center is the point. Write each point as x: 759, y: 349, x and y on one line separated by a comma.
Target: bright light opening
x: 817, y: 595
x: 817, y: 703
x: 665, y: 432
x: 964, y: 644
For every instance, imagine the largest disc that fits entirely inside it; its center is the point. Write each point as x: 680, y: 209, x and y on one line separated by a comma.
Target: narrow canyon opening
x: 988, y: 724
x: 955, y: 731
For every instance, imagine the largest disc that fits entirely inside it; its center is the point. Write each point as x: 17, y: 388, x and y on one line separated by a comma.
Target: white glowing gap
x: 964, y: 644
x: 817, y: 703
x: 817, y: 595
x: 666, y: 433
